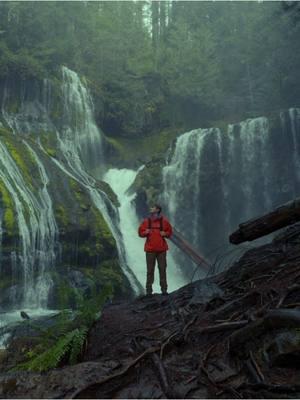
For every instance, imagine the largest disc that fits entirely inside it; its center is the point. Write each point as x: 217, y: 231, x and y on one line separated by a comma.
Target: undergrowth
x: 64, y: 342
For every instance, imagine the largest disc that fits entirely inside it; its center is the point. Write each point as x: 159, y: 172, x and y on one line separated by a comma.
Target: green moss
x: 149, y: 181
x: 24, y: 160
x: 9, y: 210
x: 125, y: 150
x: 107, y: 272
x: 102, y: 231
x: 110, y: 272
x: 50, y: 152
x: 80, y: 195
x: 67, y: 295
x: 61, y: 215
x: 48, y: 141
x: 7, y: 281
x: 13, y: 107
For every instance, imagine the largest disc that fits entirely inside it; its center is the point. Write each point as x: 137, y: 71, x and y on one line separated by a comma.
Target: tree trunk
x: 162, y: 20
x: 282, y: 216
x: 155, y: 23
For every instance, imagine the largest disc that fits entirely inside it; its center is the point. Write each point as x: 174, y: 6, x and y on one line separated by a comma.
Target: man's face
x: 153, y: 209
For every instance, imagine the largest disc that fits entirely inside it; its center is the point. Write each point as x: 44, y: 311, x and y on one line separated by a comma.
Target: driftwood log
x: 285, y: 215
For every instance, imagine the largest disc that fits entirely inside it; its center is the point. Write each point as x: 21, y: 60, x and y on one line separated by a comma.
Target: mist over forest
x: 152, y: 65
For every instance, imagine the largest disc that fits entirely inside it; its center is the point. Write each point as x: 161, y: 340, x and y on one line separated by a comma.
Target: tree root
x: 79, y: 391
x: 185, y: 329
x: 167, y: 342
x: 258, y: 370
x: 270, y: 387
x: 274, y: 319
x: 285, y: 295
x: 223, y: 326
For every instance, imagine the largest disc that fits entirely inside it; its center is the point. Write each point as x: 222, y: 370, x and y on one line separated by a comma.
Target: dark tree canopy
x: 152, y: 65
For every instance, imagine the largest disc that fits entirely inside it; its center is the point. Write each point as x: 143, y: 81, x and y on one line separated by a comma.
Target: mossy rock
x: 148, y: 186
x: 49, y: 143
x: 24, y: 160
x: 133, y: 152
x: 72, y: 284
x: 9, y: 221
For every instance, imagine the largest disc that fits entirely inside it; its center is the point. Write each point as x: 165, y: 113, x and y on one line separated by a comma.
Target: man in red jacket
x: 156, y: 229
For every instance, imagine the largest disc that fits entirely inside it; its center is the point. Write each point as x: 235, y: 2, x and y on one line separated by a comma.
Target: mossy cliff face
x: 136, y: 151
x: 86, y: 257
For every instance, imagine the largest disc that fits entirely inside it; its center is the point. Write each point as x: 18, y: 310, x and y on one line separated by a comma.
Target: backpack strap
x: 160, y: 223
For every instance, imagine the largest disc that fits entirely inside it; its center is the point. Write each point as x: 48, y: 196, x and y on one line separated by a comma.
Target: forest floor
x: 234, y: 335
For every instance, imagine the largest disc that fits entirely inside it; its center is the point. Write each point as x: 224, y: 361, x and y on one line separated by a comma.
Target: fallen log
x: 285, y: 215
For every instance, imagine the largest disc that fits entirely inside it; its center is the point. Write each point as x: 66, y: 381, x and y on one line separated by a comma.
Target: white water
x: 120, y: 180
x: 37, y: 232
x: 177, y: 175
x: 14, y: 317
x: 48, y: 237
x: 215, y: 180
x: 77, y: 103
x: 32, y: 112
x: 81, y: 135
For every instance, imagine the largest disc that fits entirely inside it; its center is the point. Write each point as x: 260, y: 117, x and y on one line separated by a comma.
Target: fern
x: 69, y: 340
x: 77, y: 344
x: 51, y: 357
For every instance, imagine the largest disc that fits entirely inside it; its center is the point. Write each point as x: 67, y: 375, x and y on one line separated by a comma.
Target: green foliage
x: 71, y: 343
x: 153, y: 65
x: 63, y: 342
x: 9, y: 218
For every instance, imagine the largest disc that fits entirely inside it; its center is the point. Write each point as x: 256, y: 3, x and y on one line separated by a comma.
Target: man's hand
x: 163, y: 233
x: 147, y: 231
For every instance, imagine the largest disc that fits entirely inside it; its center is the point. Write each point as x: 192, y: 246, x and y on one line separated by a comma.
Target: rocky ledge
x: 234, y: 335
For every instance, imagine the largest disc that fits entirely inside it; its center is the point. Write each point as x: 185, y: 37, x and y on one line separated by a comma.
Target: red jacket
x: 155, y: 242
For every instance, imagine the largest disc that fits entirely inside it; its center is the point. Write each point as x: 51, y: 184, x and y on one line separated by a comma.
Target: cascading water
x: 76, y: 148
x: 80, y: 135
x: 216, y: 180
x: 120, y: 180
x: 37, y: 231
x: 47, y: 241
x: 80, y: 143
x: 26, y: 109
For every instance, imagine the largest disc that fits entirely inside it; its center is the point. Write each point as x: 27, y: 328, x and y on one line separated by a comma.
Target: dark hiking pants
x: 161, y: 258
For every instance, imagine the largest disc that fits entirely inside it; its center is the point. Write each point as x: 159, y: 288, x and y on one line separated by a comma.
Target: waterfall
x: 25, y: 109
x: 78, y: 146
x: 215, y: 180
x: 81, y: 136
x: 79, y: 154
x: 120, y: 180
x: 179, y: 178
x: 48, y: 237
x: 37, y: 231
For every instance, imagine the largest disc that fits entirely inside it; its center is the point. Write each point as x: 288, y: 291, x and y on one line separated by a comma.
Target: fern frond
x: 51, y: 357
x: 77, y: 344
